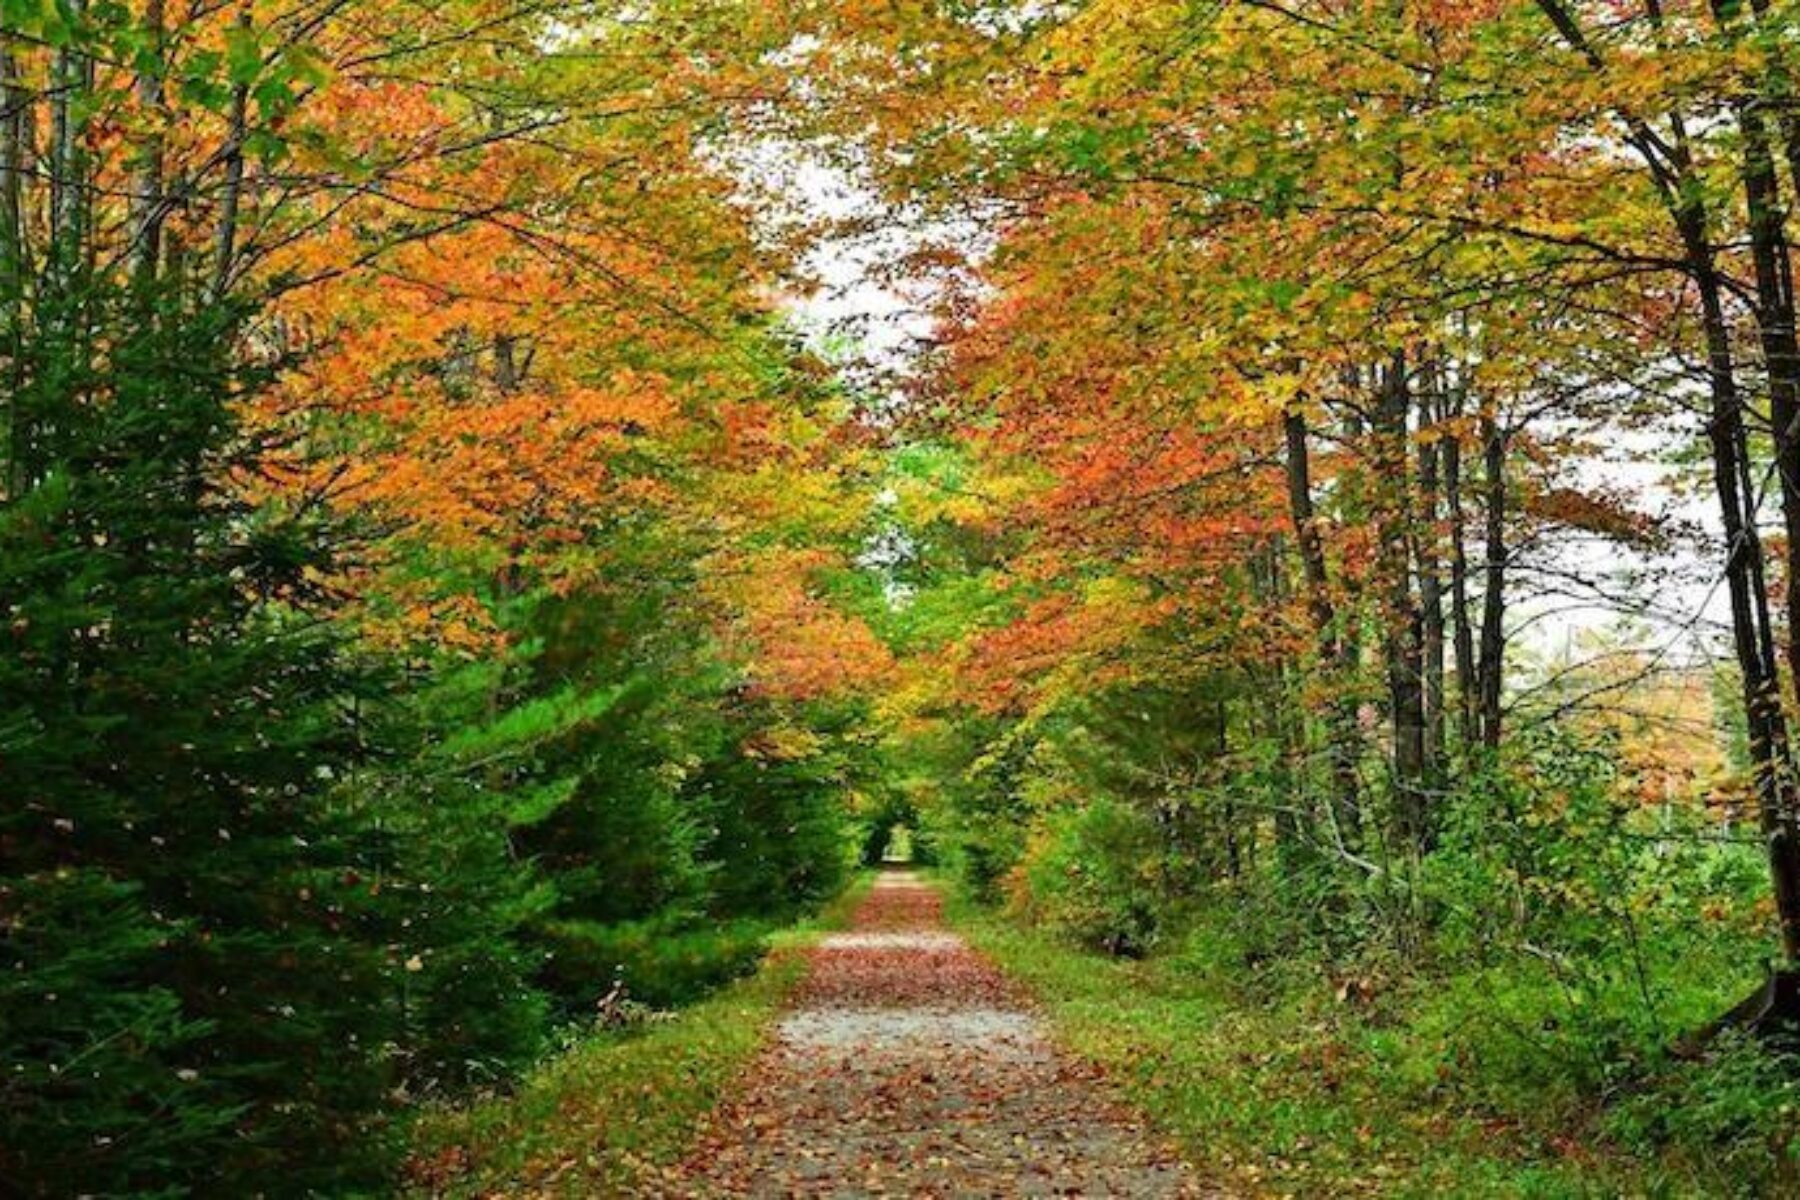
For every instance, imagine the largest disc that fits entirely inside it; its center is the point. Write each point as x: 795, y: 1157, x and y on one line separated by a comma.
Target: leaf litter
x: 908, y: 1065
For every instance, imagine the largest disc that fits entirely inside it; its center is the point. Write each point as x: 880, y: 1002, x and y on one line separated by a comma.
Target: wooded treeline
x: 1330, y: 352
x: 409, y: 516
x: 1316, y: 318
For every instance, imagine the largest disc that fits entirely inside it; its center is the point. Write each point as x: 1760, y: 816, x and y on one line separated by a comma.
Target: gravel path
x: 909, y: 1066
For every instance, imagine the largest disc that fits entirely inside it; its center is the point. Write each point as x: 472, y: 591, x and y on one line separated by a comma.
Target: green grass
x: 1285, y: 1089
x: 607, y: 1115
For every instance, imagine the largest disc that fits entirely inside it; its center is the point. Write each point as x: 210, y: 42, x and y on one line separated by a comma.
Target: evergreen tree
x: 187, y: 991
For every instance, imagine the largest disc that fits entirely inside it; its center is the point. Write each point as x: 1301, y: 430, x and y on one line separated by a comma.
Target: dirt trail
x: 908, y: 1065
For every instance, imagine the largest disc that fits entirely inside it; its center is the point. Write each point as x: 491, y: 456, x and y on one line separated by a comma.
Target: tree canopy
x: 449, y: 585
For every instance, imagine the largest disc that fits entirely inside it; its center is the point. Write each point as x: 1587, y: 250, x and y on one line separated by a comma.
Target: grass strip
x: 610, y: 1114
x: 1296, y: 1096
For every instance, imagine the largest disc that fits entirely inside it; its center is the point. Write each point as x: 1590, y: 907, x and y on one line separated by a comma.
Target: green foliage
x: 1311, y: 1010
x: 453, y: 908
x: 1094, y: 875
x: 663, y: 961
x: 666, y: 832
x: 1740, y: 1100
x: 777, y: 825
x: 257, y: 886
x: 192, y: 994
x: 975, y: 813
x: 96, y: 1048
x: 600, y: 1118
x: 1103, y: 819
x: 1286, y: 1077
x: 890, y: 824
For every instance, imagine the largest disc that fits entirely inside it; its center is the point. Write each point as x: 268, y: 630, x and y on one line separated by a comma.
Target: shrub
x: 1737, y: 1109
x: 664, y: 961
x: 1094, y: 873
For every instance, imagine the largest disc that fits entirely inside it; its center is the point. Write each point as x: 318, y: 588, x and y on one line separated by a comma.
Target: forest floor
x: 907, y: 1064
x: 1283, y: 1087
x: 879, y: 1053
x: 613, y: 1112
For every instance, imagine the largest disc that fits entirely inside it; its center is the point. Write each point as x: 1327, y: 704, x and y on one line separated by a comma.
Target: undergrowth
x: 1282, y: 1079
x: 622, y: 1102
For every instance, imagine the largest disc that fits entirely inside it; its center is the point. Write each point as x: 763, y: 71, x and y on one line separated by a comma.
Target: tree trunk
x: 231, y: 194
x: 1293, y: 827
x: 506, y: 364
x: 1491, y: 665
x: 60, y: 309
x: 1216, y: 741
x: 146, y: 189
x: 1431, y: 598
x: 1752, y: 634
x: 1274, y: 714
x: 13, y: 156
x: 1769, y: 256
x: 15, y: 153
x: 1753, y: 637
x: 68, y: 159
x: 1462, y: 630
x: 1781, y: 92
x: 1340, y: 716
x: 1401, y: 618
